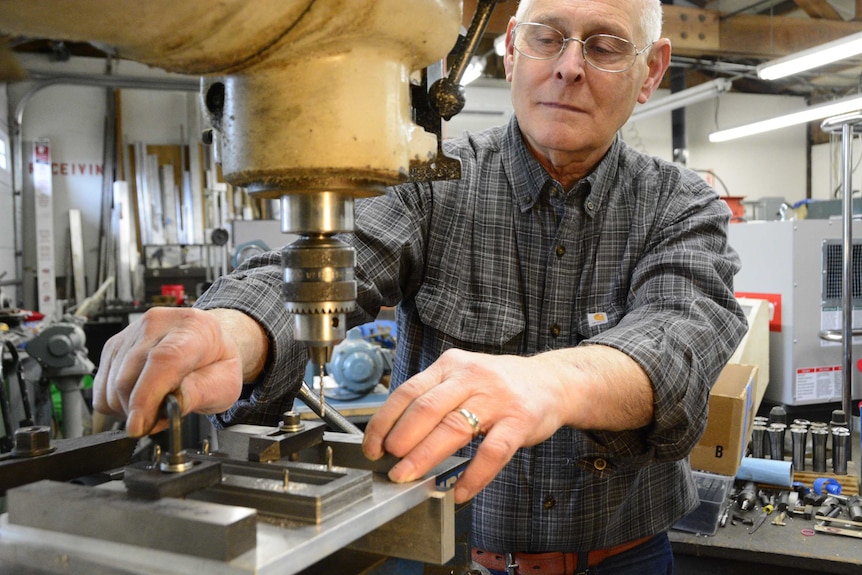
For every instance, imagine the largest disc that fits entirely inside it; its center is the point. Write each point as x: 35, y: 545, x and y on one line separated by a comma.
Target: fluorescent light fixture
x: 811, y: 114
x: 682, y: 98
x: 474, y: 70
x: 500, y: 45
x: 822, y: 55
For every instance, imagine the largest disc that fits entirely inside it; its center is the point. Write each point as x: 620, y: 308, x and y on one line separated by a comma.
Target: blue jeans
x: 655, y: 557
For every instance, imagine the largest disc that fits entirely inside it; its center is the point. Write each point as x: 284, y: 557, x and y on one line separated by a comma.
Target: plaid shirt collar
x: 530, y: 180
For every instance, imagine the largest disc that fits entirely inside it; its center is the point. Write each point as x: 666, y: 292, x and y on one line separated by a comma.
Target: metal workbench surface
x: 771, y: 549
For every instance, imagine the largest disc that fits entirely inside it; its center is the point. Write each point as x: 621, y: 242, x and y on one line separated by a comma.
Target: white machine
x: 797, y: 266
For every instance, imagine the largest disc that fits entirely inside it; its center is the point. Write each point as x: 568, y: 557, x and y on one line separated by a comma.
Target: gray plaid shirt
x: 504, y: 261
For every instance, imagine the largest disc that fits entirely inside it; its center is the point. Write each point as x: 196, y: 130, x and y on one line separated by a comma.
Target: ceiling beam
x: 819, y: 9
x: 695, y: 32
x: 698, y: 32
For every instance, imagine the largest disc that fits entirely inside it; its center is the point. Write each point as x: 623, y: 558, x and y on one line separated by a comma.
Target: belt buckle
x: 511, y: 566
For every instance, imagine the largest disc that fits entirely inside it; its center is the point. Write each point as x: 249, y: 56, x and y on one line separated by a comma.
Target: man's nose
x: 571, y: 63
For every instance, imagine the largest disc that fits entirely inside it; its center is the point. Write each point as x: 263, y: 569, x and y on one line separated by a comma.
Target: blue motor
x: 360, y: 361
x: 357, y: 366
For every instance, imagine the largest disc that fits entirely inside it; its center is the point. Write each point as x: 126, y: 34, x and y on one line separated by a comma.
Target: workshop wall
x: 73, y: 119
x: 770, y: 164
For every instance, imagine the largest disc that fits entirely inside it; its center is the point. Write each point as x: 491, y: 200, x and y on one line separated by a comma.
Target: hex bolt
x: 32, y: 441
x: 291, y: 422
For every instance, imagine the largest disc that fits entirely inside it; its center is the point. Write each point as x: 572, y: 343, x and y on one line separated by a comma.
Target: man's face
x: 565, y: 107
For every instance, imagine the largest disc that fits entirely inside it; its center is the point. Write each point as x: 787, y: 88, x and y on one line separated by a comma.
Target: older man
x: 563, y: 311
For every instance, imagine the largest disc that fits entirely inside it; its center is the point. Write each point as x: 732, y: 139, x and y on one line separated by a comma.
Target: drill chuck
x: 747, y: 498
x: 319, y: 287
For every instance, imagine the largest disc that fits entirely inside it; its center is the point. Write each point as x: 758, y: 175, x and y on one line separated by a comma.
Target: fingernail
x: 461, y: 494
x: 403, y: 472
x: 372, y: 454
x: 135, y: 424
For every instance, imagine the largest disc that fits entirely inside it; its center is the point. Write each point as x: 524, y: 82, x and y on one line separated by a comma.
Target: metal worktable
x: 770, y: 550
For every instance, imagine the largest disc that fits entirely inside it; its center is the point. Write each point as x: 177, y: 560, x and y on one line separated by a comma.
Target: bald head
x: 650, y: 17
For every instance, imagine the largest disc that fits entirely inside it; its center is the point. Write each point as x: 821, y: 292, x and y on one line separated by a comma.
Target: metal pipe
x: 848, y: 123
x: 329, y: 415
x: 847, y: 283
x: 70, y: 387
x: 836, y: 335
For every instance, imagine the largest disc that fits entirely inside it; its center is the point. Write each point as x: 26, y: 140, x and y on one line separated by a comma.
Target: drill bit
x: 319, y: 355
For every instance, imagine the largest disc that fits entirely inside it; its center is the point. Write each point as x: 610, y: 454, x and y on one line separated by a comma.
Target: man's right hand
x: 203, y: 356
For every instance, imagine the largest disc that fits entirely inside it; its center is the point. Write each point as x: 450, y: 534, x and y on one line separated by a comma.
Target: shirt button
x: 555, y: 330
x: 549, y: 502
x: 600, y: 463
x: 561, y: 251
x: 590, y: 205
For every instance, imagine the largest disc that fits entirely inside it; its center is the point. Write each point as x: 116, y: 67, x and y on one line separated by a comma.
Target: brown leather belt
x: 554, y: 563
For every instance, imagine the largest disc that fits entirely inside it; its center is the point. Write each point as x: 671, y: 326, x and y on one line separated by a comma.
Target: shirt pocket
x: 476, y: 321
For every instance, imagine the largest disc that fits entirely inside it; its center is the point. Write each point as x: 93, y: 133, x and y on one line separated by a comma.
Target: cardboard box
x: 728, y: 429
x: 754, y: 347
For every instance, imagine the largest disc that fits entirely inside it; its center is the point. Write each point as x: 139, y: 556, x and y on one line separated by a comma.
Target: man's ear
x: 658, y: 62
x: 509, y: 56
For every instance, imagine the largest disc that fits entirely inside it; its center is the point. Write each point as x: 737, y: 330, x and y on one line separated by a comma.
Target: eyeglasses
x: 601, y: 51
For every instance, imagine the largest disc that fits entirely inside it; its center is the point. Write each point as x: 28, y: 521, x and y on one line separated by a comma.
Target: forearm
x: 602, y: 388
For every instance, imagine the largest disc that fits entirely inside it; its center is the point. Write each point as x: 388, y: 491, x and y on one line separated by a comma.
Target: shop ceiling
x: 729, y: 38
x: 710, y: 38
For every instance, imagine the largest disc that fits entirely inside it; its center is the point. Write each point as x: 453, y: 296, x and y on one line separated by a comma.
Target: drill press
x: 310, y: 102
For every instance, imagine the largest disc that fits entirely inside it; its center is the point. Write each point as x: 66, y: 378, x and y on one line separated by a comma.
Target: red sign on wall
x: 774, y: 300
